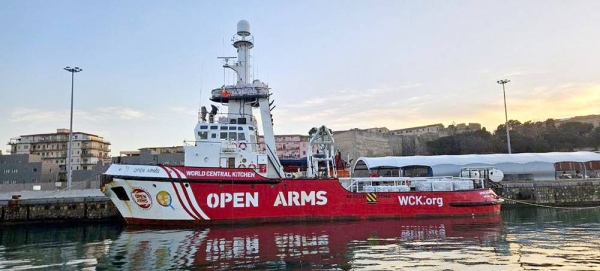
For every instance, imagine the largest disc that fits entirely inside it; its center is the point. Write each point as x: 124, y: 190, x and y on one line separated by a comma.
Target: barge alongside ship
x: 228, y: 178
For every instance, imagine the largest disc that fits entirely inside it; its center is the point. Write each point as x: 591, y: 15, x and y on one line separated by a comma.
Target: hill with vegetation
x: 540, y: 136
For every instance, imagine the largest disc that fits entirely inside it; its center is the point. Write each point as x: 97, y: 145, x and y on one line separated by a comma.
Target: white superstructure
x: 233, y: 137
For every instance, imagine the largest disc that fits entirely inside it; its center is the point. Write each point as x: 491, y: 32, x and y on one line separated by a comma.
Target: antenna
x: 201, y: 80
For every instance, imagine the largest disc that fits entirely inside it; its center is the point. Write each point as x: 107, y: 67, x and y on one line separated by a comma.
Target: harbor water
x: 522, y: 238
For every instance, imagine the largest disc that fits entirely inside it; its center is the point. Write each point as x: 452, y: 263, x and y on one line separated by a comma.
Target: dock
x: 77, y: 205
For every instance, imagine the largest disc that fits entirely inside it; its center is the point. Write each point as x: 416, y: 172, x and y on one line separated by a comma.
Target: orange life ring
x: 242, y: 146
x: 242, y: 166
x: 251, y: 166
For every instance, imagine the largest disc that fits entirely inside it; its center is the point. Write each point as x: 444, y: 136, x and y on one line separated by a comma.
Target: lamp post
x: 504, y: 82
x: 70, y: 149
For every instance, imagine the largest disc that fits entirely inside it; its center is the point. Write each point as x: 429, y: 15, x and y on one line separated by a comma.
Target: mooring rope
x: 551, y: 207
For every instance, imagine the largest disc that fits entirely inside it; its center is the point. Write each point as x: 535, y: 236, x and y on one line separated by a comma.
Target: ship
x: 228, y: 176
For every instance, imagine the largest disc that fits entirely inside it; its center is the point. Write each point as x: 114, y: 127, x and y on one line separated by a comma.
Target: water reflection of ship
x: 314, y: 245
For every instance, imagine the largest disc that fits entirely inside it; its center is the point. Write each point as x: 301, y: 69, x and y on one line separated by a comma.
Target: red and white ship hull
x: 203, y: 196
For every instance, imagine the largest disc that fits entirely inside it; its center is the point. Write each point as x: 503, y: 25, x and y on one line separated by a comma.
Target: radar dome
x: 496, y: 175
x: 243, y: 28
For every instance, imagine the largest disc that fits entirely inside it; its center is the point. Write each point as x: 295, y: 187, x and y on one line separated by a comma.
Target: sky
x: 149, y: 65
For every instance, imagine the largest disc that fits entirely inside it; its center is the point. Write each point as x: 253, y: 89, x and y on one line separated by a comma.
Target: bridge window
x: 203, y: 127
x: 240, y: 128
x: 233, y: 136
x: 214, y: 127
x: 241, y: 136
x: 223, y: 128
x: 213, y: 135
x: 223, y: 136
x: 203, y: 134
x: 232, y: 128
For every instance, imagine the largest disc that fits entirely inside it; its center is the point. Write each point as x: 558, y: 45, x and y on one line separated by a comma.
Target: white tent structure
x: 530, y: 166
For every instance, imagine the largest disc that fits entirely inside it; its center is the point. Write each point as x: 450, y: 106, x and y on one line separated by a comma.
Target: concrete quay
x: 78, y: 205
x: 577, y: 192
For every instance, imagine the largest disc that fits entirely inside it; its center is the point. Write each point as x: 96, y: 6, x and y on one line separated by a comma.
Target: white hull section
x: 156, y: 200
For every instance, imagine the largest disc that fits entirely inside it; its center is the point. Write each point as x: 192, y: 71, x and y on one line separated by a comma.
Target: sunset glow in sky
x: 148, y: 65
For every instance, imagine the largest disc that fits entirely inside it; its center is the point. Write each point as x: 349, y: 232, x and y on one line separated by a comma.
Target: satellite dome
x: 243, y: 28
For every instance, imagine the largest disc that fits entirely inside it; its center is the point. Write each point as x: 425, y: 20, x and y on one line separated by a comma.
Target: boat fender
x: 252, y: 165
x: 242, y: 146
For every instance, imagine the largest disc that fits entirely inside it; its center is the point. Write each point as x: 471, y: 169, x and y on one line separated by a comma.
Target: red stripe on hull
x: 187, y: 198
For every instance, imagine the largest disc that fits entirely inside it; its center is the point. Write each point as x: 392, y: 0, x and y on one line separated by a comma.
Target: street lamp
x: 70, y: 150
x: 503, y: 82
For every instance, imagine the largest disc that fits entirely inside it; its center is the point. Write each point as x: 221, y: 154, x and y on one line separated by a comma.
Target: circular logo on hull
x: 141, y: 197
x: 164, y: 198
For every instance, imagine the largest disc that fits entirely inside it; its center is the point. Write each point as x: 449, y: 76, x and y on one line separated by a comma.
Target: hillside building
x: 288, y: 146
x: 433, y: 128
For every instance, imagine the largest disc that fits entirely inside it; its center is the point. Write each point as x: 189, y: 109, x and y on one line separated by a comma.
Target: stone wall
x: 359, y: 143
x: 15, y: 211
x: 553, y: 192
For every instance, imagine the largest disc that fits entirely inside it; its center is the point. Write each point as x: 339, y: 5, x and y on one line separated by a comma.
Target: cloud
x: 123, y: 113
x: 29, y: 115
x: 523, y: 72
x: 352, y: 95
x: 396, y: 109
x: 543, y: 102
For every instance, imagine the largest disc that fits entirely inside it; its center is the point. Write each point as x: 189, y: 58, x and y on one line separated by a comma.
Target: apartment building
x: 89, y: 150
x: 26, y: 168
x: 288, y: 146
